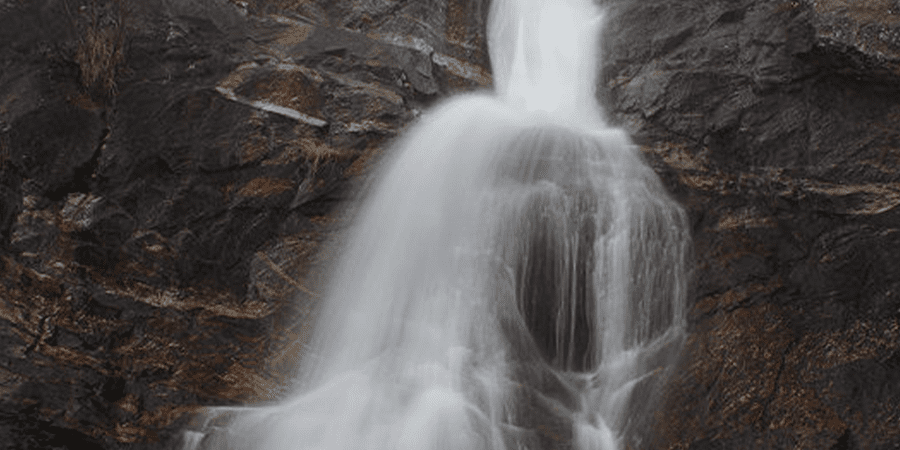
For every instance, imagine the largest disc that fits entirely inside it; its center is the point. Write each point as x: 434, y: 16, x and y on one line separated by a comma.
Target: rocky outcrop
x: 170, y: 173
x: 777, y: 124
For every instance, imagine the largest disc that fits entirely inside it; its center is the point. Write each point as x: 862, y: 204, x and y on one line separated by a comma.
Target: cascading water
x: 516, y: 273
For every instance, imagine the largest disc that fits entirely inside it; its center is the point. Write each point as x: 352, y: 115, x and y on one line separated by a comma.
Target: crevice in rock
x: 844, y: 441
x: 84, y: 176
x: 845, y: 60
x: 732, y: 16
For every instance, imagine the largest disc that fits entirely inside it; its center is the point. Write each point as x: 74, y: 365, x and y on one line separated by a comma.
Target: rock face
x: 171, y: 172
x: 777, y: 124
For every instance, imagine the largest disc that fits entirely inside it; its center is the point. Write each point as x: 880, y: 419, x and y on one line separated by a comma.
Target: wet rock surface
x: 777, y: 124
x: 166, y: 212
x: 171, y: 173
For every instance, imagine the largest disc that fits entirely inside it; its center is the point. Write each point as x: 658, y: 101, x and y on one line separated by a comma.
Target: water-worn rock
x: 777, y: 124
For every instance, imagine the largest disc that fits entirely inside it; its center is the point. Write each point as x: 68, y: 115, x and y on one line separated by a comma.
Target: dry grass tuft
x: 101, y: 45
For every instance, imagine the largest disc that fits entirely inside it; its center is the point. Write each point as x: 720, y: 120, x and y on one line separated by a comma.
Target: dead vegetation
x: 102, y: 31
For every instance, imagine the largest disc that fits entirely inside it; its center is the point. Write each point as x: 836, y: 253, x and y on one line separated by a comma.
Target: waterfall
x: 516, y: 276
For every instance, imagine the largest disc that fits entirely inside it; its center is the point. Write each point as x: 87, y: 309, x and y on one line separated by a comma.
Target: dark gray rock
x: 776, y: 124
x: 171, y: 173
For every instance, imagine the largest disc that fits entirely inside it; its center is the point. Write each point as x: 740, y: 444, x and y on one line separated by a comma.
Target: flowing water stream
x: 515, y: 279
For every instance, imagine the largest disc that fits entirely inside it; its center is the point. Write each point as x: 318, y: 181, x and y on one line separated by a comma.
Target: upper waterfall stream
x: 515, y: 276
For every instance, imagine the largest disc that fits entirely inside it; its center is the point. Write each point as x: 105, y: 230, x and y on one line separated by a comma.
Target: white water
x: 516, y: 275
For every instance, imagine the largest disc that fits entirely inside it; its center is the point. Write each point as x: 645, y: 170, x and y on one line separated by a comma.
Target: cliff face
x: 171, y: 172
x: 777, y: 124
